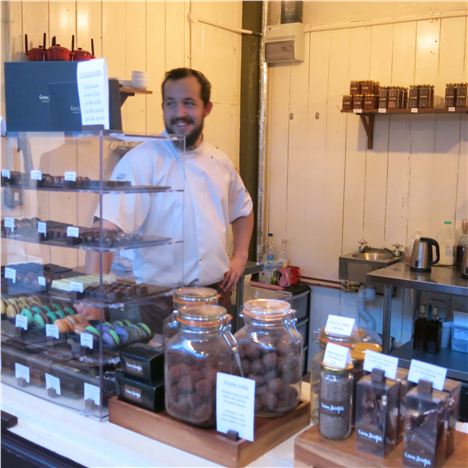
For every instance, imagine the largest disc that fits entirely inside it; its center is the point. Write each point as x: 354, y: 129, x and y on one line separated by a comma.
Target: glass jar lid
x: 205, y: 315
x: 194, y: 295
x: 358, y: 350
x: 337, y: 370
x: 266, y: 309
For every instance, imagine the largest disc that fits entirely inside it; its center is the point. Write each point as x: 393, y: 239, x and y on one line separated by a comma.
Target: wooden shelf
x: 125, y: 92
x: 367, y: 116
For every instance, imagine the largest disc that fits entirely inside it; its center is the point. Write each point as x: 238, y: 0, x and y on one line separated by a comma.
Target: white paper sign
x: 93, y: 92
x: 53, y: 382
x: 51, y: 331
x: 86, y: 340
x: 70, y: 176
x: 36, y: 174
x: 9, y: 222
x: 382, y: 110
x: 73, y: 231
x: 336, y: 356
x: 357, y: 111
x: 337, y: 325
x: 21, y: 322
x: 10, y: 273
x: 422, y: 370
x: 235, y: 405
x: 6, y: 173
x: 41, y: 227
x: 22, y: 372
x: 91, y: 392
x: 414, y: 110
x: 76, y: 286
x: 451, y: 109
x: 373, y: 360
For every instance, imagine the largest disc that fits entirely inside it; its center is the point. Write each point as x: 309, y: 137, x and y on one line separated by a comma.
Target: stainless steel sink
x: 355, y: 265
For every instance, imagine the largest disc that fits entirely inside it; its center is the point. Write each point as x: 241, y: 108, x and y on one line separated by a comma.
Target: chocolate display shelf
x: 207, y: 443
x: 311, y: 449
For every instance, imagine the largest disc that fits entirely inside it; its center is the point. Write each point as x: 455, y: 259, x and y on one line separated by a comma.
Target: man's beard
x: 191, y: 138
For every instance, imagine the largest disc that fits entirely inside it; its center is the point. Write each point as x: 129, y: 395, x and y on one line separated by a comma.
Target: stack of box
x: 456, y: 95
x: 362, y: 95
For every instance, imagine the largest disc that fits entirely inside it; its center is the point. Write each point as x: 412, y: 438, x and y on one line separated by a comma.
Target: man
x: 214, y: 198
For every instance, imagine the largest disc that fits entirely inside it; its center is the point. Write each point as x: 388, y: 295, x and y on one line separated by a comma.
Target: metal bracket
x: 368, y: 123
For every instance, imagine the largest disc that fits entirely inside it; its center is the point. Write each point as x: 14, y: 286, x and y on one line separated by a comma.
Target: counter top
x: 440, y: 279
x: 93, y: 443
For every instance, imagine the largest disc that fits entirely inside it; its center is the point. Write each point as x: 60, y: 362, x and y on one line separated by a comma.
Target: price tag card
x: 422, y: 370
x: 21, y: 322
x: 51, y: 331
x: 41, y: 281
x: 73, y: 231
x: 336, y: 356
x: 22, y: 372
x: 235, y: 405
x: 451, y: 109
x: 70, y: 176
x: 9, y: 222
x: 10, y: 273
x: 389, y: 364
x: 357, y: 111
x: 76, y: 286
x: 86, y: 340
x: 414, y: 110
x: 91, y: 392
x: 41, y: 227
x: 36, y: 174
x: 53, y: 382
x: 337, y: 325
x: 6, y: 173
x: 382, y: 110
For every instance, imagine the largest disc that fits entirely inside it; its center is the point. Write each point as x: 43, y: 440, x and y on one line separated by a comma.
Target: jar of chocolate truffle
x: 189, y: 296
x: 201, y: 347
x: 336, y: 400
x: 270, y: 348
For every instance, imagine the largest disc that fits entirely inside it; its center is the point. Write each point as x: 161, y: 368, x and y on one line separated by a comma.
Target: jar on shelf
x: 270, y: 348
x: 202, y: 346
x: 336, y: 400
x: 186, y: 297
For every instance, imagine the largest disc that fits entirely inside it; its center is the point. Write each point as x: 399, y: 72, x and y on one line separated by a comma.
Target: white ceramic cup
x: 139, y: 79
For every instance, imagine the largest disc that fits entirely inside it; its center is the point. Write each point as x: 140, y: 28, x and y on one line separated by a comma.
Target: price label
x: 70, y: 176
x: 10, y: 273
x: 86, y: 340
x: 73, y: 231
x: 338, y: 325
x: 41, y: 227
x: 382, y: 110
x: 53, y: 382
x: 9, y: 223
x: 41, y: 281
x: 92, y: 392
x: 51, y: 331
x: 76, y: 286
x: 21, y: 322
x: 336, y: 356
x: 6, y: 173
x: 422, y: 370
x: 388, y: 364
x: 21, y: 372
x: 414, y: 110
x: 451, y: 109
x: 357, y: 111
x: 36, y: 174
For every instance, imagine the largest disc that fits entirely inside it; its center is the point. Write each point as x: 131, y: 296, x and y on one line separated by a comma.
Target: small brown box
x: 371, y: 101
x: 450, y: 95
x: 383, y: 97
x: 355, y: 87
x: 394, y: 97
x: 347, y: 102
x: 462, y: 95
x: 413, y: 97
x: 358, y: 101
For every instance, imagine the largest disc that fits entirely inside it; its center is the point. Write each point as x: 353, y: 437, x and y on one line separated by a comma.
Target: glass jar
x: 189, y: 296
x: 270, y: 348
x: 336, y: 401
x: 201, y: 347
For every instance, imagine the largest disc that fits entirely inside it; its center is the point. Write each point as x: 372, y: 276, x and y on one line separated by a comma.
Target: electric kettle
x: 464, y: 265
x: 421, y: 255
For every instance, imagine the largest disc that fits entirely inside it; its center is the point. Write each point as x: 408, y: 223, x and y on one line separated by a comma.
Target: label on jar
x: 333, y: 408
x: 73, y: 231
x: 133, y: 367
x: 338, y: 325
x: 22, y: 372
x: 388, y: 364
x: 70, y: 176
x: 6, y: 173
x: 422, y: 370
x: 54, y: 383
x: 132, y: 393
x: 336, y: 356
x: 370, y: 436
x: 36, y: 174
x: 235, y: 405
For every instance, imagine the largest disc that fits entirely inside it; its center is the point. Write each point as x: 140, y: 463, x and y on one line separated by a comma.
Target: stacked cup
x: 139, y: 79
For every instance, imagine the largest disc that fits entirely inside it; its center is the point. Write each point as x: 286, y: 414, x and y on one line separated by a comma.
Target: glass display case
x: 89, y: 261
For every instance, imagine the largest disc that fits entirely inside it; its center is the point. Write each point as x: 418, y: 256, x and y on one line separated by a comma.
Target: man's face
x: 184, y: 110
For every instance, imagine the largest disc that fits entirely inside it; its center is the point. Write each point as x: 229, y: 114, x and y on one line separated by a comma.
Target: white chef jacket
x: 207, y: 196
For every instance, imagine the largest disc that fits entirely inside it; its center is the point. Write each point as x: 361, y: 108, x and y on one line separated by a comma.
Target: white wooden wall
x: 327, y: 191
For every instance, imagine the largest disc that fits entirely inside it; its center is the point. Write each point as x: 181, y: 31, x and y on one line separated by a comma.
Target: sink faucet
x: 398, y: 249
x: 363, y: 245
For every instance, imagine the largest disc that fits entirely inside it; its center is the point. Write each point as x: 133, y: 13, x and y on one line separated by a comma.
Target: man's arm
x: 241, y: 232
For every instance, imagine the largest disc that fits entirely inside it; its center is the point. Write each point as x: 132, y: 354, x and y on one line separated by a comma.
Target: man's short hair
x: 180, y: 73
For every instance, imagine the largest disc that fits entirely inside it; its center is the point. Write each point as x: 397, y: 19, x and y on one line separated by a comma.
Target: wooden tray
x: 208, y: 443
x: 311, y: 449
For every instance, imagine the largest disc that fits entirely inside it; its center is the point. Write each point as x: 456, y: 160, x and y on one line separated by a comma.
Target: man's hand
x: 231, y: 277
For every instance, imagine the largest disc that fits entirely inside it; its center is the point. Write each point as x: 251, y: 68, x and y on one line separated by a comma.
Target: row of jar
x: 388, y: 411
x: 198, y: 344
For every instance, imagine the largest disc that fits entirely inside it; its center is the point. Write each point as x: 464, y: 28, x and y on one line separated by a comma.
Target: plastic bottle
x: 462, y: 244
x: 434, y: 332
x: 268, y: 275
x: 446, y: 241
x: 283, y: 254
x: 420, y: 329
